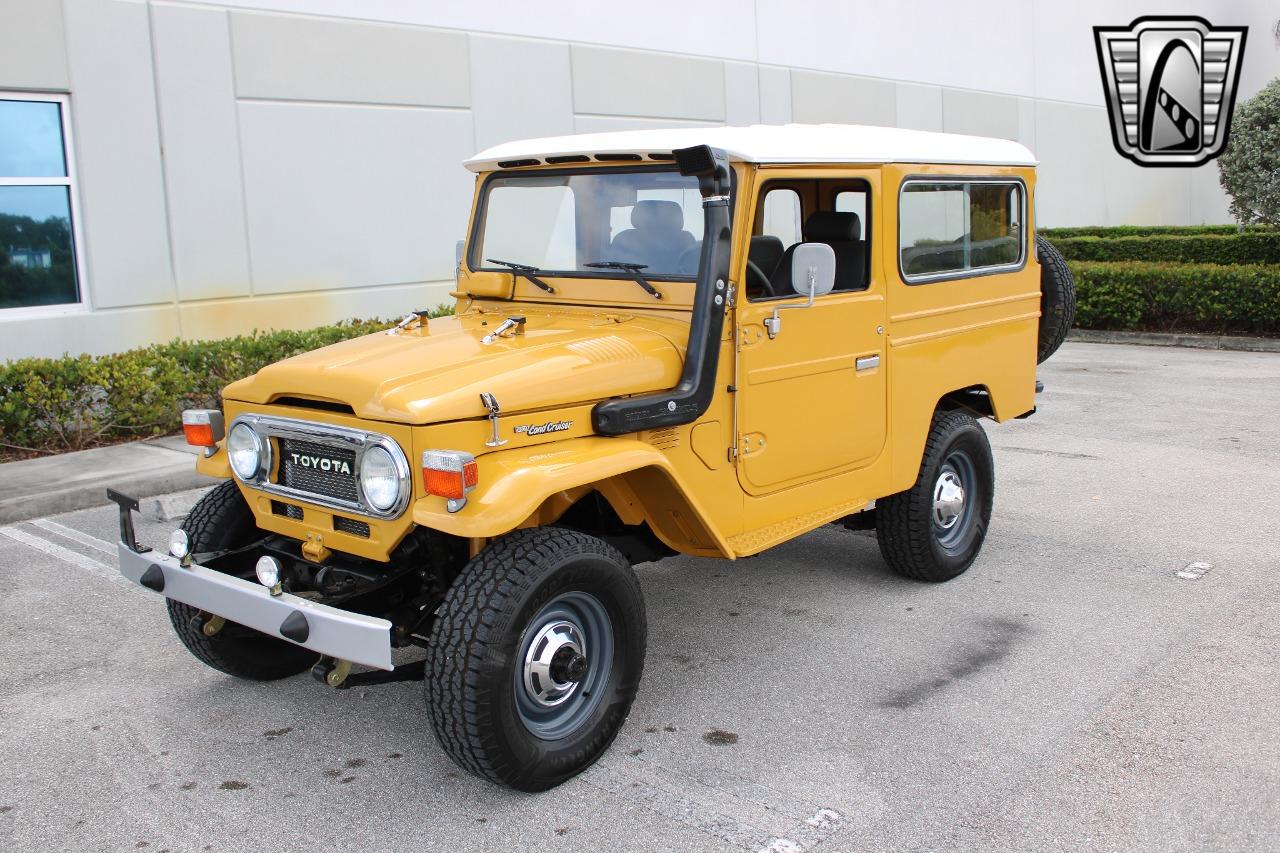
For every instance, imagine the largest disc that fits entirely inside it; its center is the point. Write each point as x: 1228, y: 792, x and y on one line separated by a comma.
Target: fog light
x: 179, y: 545
x: 268, y: 571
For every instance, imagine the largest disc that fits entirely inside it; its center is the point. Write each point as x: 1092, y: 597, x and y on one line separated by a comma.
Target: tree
x: 1249, y: 168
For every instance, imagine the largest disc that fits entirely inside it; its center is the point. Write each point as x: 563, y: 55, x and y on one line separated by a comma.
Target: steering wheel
x: 756, y: 277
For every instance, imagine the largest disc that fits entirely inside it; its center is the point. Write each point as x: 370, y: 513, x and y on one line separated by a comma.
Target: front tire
x: 535, y: 657
x: 934, y: 530
x: 219, y: 521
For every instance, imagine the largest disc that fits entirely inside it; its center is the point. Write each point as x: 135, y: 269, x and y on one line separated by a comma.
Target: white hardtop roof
x: 760, y: 143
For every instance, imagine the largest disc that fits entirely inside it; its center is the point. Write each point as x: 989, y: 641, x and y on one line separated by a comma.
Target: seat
x: 840, y: 230
x: 765, y: 252
x: 656, y: 237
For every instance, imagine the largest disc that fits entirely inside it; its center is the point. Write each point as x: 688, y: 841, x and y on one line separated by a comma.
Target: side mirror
x: 813, y: 272
x: 813, y: 269
x: 458, y: 249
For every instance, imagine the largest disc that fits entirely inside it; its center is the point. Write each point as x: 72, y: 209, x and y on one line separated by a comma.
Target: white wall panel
x: 1071, y: 186
x: 202, y: 152
x: 775, y: 95
x: 92, y: 332
x: 741, y: 93
x: 634, y: 83
x: 974, y: 46
x: 723, y: 28
x: 520, y: 88
x: 118, y: 151
x: 919, y: 107
x: 313, y: 59
x: 342, y: 197
x: 817, y: 97
x: 33, y: 53
x: 979, y: 114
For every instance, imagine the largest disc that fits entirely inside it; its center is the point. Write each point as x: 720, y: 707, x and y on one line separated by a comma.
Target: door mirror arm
x: 815, y: 265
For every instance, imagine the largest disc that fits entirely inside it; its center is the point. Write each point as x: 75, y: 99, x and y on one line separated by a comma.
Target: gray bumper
x: 328, y: 630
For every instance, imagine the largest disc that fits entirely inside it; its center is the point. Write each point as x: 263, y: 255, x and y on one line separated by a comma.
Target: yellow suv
x: 701, y: 341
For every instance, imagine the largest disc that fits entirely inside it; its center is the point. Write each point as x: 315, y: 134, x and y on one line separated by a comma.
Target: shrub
x: 1148, y: 230
x: 74, y: 402
x: 1166, y: 297
x: 1250, y: 247
x: 1249, y: 167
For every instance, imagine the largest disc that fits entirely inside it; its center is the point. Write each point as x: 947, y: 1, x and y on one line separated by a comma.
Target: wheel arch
x: 535, y: 486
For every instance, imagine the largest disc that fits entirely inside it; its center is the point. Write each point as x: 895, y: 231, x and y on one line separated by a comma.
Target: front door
x: 811, y: 400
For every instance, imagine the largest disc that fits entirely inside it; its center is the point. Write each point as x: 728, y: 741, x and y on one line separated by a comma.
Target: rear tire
x: 219, y: 521
x: 934, y: 530
x: 532, y: 598
x: 1057, y: 299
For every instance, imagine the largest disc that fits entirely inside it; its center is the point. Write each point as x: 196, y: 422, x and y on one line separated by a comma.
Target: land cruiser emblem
x: 321, y: 463
x: 542, y: 429
x: 1170, y: 85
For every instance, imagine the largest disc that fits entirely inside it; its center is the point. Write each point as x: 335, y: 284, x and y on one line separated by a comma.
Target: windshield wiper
x: 524, y: 270
x: 634, y: 269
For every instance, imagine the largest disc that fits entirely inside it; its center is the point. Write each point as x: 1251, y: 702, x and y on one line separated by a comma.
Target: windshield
x: 564, y: 223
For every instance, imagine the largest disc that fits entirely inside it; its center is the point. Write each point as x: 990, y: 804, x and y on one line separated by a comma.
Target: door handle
x: 867, y: 362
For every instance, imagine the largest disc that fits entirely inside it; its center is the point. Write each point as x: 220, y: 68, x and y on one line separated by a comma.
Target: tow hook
x: 331, y: 671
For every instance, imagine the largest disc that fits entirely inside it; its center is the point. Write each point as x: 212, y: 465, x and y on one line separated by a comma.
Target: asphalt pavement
x: 1104, y: 677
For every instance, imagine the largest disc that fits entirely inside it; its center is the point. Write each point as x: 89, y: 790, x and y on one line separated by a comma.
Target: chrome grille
x: 330, y: 484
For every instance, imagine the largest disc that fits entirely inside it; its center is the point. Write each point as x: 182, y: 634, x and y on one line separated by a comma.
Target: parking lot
x: 1104, y: 677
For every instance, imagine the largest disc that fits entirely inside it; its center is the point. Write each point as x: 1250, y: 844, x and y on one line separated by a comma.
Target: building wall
x: 280, y: 163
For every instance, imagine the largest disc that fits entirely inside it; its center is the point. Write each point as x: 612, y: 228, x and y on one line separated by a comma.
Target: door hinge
x: 733, y: 454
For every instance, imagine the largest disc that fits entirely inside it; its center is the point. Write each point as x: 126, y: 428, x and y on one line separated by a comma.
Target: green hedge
x: 1150, y: 230
x: 74, y: 402
x: 1250, y: 247
x: 1213, y: 298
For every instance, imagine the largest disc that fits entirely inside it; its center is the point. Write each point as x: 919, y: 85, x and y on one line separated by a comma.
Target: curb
x: 1230, y: 343
x: 56, y: 484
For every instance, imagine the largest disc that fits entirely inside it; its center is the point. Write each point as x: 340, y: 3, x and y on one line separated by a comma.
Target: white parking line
x: 66, y: 555
x: 75, y: 536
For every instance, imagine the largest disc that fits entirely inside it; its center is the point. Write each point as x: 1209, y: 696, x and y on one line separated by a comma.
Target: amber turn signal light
x: 449, y: 473
x: 203, y: 427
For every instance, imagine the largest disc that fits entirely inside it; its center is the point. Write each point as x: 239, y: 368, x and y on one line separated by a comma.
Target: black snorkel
x: 687, y: 401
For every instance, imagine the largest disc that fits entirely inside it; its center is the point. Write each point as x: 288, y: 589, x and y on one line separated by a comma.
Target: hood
x: 437, y: 374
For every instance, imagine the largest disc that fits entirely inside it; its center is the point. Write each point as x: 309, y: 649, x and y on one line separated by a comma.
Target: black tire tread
x: 221, y: 519
x: 1057, y: 299
x: 903, y: 529
x: 470, y: 623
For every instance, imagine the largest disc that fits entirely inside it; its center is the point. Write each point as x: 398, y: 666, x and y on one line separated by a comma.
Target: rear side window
x: 952, y: 229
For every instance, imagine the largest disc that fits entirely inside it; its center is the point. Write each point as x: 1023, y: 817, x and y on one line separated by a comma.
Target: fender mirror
x: 813, y: 273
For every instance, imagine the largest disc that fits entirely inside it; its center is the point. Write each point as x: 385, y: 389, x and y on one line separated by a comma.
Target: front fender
x: 513, y: 484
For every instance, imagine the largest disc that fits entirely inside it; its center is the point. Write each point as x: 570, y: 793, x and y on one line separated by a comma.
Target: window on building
x: 37, y: 226
x: 951, y: 228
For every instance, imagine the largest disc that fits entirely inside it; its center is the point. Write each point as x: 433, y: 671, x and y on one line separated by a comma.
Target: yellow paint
x: 804, y: 440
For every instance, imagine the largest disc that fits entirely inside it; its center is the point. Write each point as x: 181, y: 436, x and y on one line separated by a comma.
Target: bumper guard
x: 322, y: 629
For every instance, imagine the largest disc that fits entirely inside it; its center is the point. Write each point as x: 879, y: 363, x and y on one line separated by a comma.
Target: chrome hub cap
x: 563, y: 664
x: 555, y: 663
x: 948, y: 500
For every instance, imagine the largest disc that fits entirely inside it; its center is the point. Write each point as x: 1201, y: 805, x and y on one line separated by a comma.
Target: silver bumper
x: 327, y: 630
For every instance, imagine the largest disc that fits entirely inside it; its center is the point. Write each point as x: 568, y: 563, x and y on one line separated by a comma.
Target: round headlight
x: 268, y: 571
x: 244, y: 449
x: 379, y: 479
x: 179, y: 545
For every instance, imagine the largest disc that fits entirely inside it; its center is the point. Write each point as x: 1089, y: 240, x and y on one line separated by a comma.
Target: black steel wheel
x: 219, y: 521
x: 934, y: 530
x: 535, y: 657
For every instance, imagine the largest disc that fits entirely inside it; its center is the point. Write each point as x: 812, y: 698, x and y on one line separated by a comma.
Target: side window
x: 950, y: 228
x: 782, y: 216
x: 851, y: 201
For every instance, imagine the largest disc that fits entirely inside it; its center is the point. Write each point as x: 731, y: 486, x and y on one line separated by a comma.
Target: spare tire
x: 1057, y: 299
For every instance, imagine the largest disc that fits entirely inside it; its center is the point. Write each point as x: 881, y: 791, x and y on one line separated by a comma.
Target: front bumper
x: 322, y: 629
